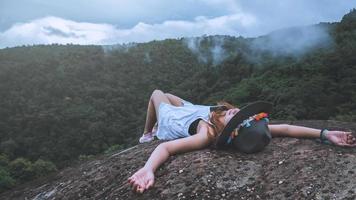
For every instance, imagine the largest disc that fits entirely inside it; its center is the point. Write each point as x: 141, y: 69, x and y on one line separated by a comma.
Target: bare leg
x: 156, y: 99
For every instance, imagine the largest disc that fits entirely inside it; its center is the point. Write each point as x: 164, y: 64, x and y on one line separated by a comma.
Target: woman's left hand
x: 340, y: 138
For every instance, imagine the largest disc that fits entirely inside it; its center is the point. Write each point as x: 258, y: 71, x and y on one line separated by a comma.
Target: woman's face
x: 229, y: 114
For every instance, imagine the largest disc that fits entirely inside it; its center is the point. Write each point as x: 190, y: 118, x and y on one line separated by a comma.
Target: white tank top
x: 174, y: 121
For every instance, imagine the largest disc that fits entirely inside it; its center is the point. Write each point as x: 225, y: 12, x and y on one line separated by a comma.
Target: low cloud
x: 50, y: 30
x: 294, y: 41
x: 214, y: 54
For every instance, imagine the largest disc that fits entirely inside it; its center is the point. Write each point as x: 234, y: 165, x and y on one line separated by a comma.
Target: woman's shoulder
x: 203, y: 124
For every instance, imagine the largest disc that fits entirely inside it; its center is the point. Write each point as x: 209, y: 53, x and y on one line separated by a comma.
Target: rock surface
x: 288, y: 168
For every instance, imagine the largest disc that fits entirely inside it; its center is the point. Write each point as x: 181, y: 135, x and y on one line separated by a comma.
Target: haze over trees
x: 62, y: 102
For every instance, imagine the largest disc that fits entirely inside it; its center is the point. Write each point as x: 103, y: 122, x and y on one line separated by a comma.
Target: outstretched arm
x: 286, y: 130
x: 144, y: 178
x: 340, y: 138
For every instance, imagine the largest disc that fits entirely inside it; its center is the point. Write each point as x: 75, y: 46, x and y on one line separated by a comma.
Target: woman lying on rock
x: 188, y: 127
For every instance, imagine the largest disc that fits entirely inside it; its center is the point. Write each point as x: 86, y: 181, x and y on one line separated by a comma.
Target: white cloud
x: 112, y: 21
x: 50, y: 29
x: 55, y: 30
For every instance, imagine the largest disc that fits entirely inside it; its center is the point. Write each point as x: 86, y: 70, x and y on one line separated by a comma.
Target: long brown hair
x: 216, y: 114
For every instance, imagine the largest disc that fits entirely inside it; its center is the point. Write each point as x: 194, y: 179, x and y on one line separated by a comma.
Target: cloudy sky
x: 121, y: 21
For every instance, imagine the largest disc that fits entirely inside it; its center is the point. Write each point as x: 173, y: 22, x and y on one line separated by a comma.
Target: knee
x: 157, y: 92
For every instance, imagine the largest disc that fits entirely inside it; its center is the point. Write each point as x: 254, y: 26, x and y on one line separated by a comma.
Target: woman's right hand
x: 142, y: 180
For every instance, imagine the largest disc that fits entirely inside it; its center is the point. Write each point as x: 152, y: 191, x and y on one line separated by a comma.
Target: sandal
x: 148, y: 137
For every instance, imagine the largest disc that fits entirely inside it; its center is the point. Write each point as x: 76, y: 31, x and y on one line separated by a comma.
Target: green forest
x: 63, y: 103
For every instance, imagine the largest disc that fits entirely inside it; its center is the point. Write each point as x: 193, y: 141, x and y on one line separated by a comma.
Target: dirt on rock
x: 288, y: 168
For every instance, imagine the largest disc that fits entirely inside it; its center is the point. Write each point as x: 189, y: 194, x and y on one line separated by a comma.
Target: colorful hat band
x: 246, y: 124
